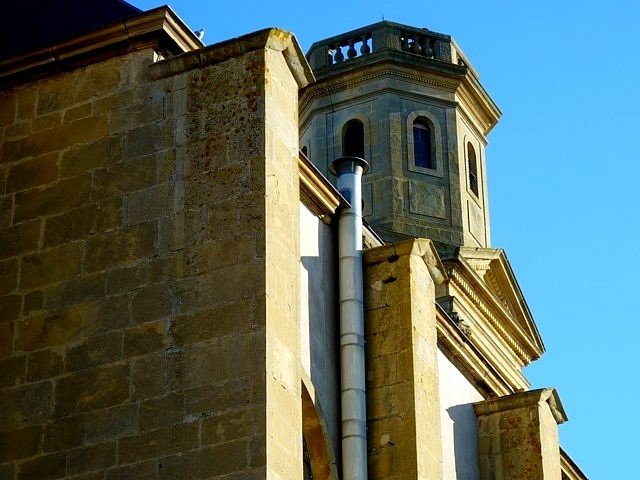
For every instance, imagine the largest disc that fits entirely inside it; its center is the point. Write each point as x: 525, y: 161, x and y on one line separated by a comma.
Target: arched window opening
x: 353, y: 139
x: 305, y: 151
x: 473, y: 169
x: 422, y: 153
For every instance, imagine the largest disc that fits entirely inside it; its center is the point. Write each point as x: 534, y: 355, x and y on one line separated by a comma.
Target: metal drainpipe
x: 349, y: 171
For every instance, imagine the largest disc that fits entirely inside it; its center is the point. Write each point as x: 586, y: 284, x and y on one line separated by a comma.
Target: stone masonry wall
x: 138, y: 286
x: 403, y: 407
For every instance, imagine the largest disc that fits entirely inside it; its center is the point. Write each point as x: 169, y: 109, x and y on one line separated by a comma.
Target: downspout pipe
x: 349, y: 171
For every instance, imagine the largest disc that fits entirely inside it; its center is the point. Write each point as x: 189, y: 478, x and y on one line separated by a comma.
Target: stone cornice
x: 493, y: 315
x: 570, y: 471
x: 316, y: 192
x: 335, y: 84
x: 420, y: 247
x: 523, y: 399
x: 270, y: 38
x: 493, y: 266
x: 160, y: 28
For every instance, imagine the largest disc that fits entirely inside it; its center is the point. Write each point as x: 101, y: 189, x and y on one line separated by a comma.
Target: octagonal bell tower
x: 408, y: 101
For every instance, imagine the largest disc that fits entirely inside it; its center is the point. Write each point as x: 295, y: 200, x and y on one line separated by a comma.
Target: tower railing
x: 380, y: 37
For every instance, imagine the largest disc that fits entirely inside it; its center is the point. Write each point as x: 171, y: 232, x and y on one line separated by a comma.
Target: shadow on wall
x: 465, y: 443
x: 319, y: 269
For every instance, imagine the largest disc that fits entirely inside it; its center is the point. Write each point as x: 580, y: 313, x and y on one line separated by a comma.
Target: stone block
x: 111, y: 423
x: 33, y: 173
x: 6, y: 339
x: 95, y: 457
x: 148, y: 376
x: 69, y: 226
x: 77, y: 112
x: 80, y: 159
x: 99, y: 80
x: 95, y: 351
x: 45, y: 467
x: 8, y: 274
x: 18, y: 130
x: 212, y: 254
x: 19, y: 239
x: 158, y: 443
x: 110, y: 215
x: 33, y: 301
x: 45, y: 122
x: 12, y: 371
x: 161, y: 412
x: 20, y: 443
x: 8, y: 106
x: 152, y: 302
x: 6, y: 206
x: 153, y: 202
x: 52, y: 96
x: 219, y: 397
x: 26, y: 103
x: 233, y: 425
x: 231, y: 357
x: 128, y: 278
x: 91, y: 389
x: 25, y: 406
x: 10, y: 307
x: 124, y: 177
x: 138, y: 471
x: 242, y: 281
x: 79, y: 289
x: 44, y: 364
x: 229, y: 319
x: 62, y: 195
x: 206, y: 463
x: 49, y: 330
x: 148, y: 139
x: 64, y: 434
x: 111, y: 248
x: 54, y: 139
x: 136, y: 107
x: 143, y: 339
x: 51, y: 266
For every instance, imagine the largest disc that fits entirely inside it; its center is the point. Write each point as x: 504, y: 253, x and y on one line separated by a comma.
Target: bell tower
x: 409, y: 102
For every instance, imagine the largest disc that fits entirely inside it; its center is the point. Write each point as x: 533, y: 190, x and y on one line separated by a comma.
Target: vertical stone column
x: 403, y: 406
x: 518, y: 436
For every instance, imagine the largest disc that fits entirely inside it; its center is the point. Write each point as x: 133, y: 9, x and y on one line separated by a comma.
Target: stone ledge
x: 269, y: 38
x: 160, y: 28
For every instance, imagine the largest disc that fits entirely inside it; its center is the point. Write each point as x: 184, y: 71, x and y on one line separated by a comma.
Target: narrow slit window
x: 422, y: 153
x: 353, y: 140
x: 473, y: 169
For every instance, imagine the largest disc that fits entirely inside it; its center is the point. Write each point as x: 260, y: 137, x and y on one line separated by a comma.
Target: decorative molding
x: 498, y: 324
x: 159, y: 28
x: 316, y: 192
x: 387, y: 72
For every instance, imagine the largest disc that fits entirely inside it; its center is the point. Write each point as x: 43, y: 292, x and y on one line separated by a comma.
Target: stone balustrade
x: 382, y: 37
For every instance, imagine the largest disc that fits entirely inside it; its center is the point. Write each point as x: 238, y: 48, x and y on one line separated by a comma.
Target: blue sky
x: 562, y: 172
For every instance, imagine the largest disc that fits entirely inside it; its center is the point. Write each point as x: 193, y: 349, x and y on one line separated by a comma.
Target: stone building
x: 188, y: 292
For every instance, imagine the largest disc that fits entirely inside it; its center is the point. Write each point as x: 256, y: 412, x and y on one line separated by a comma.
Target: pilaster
x: 403, y: 405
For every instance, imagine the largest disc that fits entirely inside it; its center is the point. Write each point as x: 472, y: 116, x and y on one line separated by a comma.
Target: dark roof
x: 27, y: 24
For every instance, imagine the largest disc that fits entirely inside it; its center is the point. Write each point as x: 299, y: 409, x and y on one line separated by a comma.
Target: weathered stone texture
x: 403, y: 414
x: 518, y: 436
x: 148, y: 271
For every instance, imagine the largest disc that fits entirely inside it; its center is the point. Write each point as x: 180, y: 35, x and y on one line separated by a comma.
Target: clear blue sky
x: 563, y: 178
